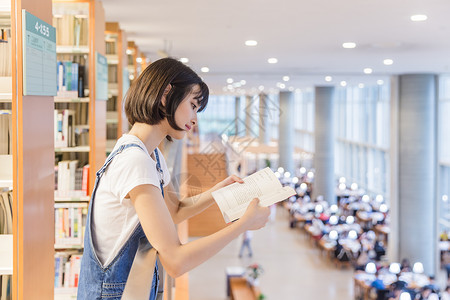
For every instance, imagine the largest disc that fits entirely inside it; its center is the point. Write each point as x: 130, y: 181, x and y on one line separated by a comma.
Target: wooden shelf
x: 73, y: 149
x: 71, y: 100
x: 5, y: 97
x: 6, y: 254
x: 72, y: 199
x: 72, y: 49
x: 112, y: 59
x: 65, y: 293
x: 68, y: 246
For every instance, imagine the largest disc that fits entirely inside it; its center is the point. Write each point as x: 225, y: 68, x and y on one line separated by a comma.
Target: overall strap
x: 160, y: 171
x: 112, y: 155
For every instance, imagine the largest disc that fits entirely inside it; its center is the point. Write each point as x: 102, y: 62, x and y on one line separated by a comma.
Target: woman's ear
x: 166, y: 91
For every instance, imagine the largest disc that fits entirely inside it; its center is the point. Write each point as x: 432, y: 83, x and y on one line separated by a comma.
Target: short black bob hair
x: 143, y: 100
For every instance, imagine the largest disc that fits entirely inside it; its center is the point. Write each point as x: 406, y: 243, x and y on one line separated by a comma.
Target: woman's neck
x: 150, y: 135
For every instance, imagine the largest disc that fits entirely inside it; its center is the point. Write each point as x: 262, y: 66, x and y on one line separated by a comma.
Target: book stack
x: 64, y: 128
x: 5, y: 132
x: 6, y: 213
x: 71, y: 30
x: 5, y: 52
x: 67, y: 269
x: 70, y: 222
x: 71, y: 181
x: 71, y: 81
x: 6, y: 227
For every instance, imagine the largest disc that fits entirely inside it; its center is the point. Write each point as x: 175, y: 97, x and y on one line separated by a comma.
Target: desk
x: 383, y: 231
x: 241, y: 289
x: 327, y: 247
x: 6, y: 254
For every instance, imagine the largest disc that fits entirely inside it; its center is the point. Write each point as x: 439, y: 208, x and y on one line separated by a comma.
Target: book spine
x: 85, y: 181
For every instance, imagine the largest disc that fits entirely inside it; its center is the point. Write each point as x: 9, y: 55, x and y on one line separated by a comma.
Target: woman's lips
x: 188, y: 127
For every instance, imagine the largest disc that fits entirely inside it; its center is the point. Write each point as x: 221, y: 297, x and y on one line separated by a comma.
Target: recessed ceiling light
x: 272, y: 60
x: 418, y: 18
x: 261, y: 88
x: 291, y: 89
x: 380, y: 82
x: 251, y: 43
x: 349, y: 45
x: 204, y: 69
x: 286, y: 78
x: 243, y: 82
x: 361, y: 85
x: 184, y: 60
x: 230, y: 80
x: 367, y: 71
x: 328, y: 78
x: 139, y: 59
x: 388, y: 61
x: 343, y: 83
x: 129, y: 51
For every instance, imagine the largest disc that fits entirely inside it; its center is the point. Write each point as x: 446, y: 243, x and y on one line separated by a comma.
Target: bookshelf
x: 79, y: 131
x: 118, y: 83
x: 132, y: 65
x: 32, y: 159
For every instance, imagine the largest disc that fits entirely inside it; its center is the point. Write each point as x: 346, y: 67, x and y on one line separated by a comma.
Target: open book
x: 234, y: 199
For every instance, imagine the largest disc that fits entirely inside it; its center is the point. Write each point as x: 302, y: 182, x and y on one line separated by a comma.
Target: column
x: 237, y: 108
x: 264, y: 133
x: 416, y: 167
x: 248, y: 116
x: 286, y: 131
x: 324, y: 181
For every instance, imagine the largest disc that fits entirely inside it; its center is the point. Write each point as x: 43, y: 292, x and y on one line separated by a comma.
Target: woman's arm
x: 160, y: 230
x: 186, y: 208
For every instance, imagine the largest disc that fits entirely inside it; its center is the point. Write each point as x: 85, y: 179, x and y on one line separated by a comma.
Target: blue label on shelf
x: 39, y: 56
x: 101, y: 77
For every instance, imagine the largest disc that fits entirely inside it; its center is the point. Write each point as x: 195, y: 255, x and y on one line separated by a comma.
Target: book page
x: 234, y: 199
x: 265, y: 200
x: 255, y: 185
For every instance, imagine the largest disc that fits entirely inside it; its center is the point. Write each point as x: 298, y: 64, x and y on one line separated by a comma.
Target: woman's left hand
x: 227, y: 181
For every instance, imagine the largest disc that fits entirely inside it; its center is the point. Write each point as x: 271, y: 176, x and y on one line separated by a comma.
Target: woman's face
x: 186, y: 113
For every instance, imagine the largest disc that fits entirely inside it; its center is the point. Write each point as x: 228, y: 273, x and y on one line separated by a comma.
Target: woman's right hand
x: 255, y: 216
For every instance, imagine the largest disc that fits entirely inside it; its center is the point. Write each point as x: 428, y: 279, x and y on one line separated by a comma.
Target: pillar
x: 286, y: 131
x: 324, y: 139
x: 264, y: 133
x: 416, y: 161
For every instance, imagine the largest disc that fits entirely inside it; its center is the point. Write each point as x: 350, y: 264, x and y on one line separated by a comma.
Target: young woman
x: 133, y: 201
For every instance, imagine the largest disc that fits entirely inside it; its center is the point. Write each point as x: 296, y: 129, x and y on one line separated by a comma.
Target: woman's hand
x: 255, y: 216
x: 227, y: 181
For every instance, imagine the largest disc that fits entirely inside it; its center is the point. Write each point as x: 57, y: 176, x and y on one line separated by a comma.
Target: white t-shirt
x: 114, y: 217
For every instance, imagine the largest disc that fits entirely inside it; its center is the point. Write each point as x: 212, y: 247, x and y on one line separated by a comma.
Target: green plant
x: 255, y: 270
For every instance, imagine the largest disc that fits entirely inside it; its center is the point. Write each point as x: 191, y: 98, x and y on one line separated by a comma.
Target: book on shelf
x: 64, y: 130
x: 5, y: 132
x: 71, y: 181
x: 6, y: 226
x: 234, y: 199
x: 70, y: 79
x: 5, y: 53
x: 71, y: 30
x: 70, y: 222
x: 67, y: 269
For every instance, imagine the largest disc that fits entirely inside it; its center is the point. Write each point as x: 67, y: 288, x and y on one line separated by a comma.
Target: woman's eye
x: 194, y: 106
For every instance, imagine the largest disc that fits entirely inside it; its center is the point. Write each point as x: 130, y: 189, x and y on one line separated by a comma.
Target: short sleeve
x: 130, y: 169
x: 164, y: 168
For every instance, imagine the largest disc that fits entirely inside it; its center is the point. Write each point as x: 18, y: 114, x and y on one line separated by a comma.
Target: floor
x: 293, y: 267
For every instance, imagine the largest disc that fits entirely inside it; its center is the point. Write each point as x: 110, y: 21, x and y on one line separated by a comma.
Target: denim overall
x: 98, y: 282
